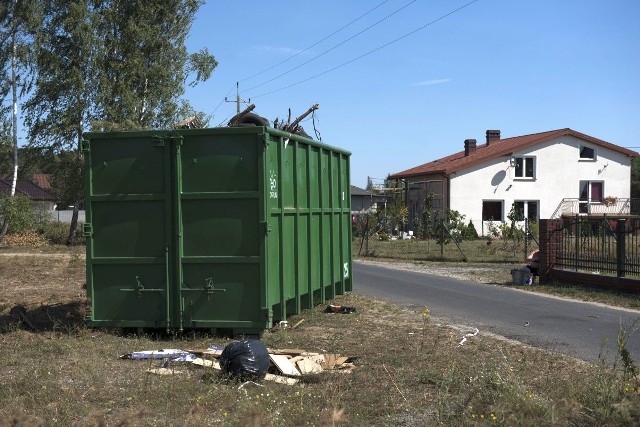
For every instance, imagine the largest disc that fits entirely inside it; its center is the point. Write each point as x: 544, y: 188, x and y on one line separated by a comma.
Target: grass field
x: 409, y: 371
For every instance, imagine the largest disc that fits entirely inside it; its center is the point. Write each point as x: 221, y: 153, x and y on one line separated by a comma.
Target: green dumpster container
x: 227, y: 229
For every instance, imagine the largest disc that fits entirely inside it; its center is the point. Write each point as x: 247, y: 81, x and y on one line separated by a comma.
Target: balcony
x: 609, y: 206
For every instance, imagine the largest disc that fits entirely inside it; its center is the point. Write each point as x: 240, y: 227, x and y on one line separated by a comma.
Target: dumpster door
x: 128, y: 230
x: 221, y: 243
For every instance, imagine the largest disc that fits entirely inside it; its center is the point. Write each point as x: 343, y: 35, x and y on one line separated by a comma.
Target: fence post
x: 620, y: 247
x: 526, y: 237
x: 577, y: 242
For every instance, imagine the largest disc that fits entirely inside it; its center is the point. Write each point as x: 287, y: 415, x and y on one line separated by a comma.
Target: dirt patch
x: 47, y: 286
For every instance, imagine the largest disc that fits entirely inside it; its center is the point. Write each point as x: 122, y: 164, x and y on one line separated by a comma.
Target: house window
x: 524, y: 167
x: 492, y: 210
x: 528, y: 209
x: 587, y: 153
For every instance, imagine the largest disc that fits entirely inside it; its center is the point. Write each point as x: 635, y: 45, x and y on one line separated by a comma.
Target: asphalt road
x: 582, y: 330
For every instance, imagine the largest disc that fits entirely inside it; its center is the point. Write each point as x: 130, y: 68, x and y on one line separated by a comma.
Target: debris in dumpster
x: 342, y: 309
x: 246, y: 358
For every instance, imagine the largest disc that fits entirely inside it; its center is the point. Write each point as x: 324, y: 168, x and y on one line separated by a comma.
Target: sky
x: 400, y: 83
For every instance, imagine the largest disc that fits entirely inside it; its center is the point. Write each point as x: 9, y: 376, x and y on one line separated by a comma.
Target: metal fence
x: 600, y: 245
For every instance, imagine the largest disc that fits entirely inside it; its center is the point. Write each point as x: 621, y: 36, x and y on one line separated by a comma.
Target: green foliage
x: 67, y: 181
x: 424, y: 224
x: 470, y: 232
x: 635, y: 178
x: 149, y: 37
x: 450, y: 228
x: 57, y: 233
x: 17, y: 212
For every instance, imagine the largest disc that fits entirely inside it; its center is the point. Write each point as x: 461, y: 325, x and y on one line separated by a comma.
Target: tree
x: 145, y: 65
x: 635, y: 178
x: 18, y: 24
x: 65, y: 86
x: 109, y: 65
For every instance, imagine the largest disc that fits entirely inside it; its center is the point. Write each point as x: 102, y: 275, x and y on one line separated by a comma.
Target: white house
x: 547, y: 174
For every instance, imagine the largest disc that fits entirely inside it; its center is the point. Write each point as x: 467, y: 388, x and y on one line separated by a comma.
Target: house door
x: 590, y: 192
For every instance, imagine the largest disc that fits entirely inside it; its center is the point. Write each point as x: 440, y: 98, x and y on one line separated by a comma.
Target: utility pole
x: 238, y: 100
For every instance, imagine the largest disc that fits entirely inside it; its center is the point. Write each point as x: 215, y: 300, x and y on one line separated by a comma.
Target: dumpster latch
x: 210, y: 287
x: 85, y: 145
x: 265, y: 227
x: 87, y: 229
x: 158, y: 141
x: 140, y: 287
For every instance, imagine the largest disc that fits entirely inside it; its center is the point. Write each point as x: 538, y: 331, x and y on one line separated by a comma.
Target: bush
x: 57, y: 233
x: 18, y: 211
x: 470, y: 233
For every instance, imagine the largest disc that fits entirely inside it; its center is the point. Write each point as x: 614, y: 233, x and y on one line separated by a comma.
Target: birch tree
x: 18, y: 27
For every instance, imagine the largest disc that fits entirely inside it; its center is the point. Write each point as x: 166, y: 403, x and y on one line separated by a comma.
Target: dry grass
x: 409, y: 371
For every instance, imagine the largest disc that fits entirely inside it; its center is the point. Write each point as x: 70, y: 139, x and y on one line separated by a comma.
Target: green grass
x: 409, y: 370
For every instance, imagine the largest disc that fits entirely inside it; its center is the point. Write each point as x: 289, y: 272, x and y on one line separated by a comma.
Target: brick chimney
x: 493, y: 135
x: 469, y: 146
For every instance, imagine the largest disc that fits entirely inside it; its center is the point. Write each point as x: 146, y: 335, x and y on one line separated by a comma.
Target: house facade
x: 543, y: 175
x: 41, y: 199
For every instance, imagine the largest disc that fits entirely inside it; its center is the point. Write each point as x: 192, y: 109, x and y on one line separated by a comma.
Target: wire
x: 315, y: 44
x: 223, y: 99
x: 332, y: 48
x: 301, y: 52
x: 369, y: 52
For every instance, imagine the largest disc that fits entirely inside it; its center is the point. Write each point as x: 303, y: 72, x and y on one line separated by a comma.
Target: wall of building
x: 558, y: 172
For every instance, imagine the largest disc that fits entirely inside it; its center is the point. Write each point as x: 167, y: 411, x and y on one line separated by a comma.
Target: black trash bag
x: 246, y: 358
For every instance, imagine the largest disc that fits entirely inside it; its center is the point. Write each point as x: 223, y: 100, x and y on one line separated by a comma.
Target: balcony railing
x: 610, y: 206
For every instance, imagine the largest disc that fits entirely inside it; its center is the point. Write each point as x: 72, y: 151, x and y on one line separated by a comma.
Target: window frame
x: 501, y: 219
x: 584, y: 158
x: 529, y: 207
x: 520, y: 162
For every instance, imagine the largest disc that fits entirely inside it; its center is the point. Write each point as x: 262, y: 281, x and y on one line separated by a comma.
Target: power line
x: 315, y: 44
x: 369, y: 52
x: 222, y: 102
x: 334, y: 47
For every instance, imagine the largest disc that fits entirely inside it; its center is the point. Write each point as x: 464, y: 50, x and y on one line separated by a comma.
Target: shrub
x: 57, y: 233
x: 18, y: 211
x: 470, y: 232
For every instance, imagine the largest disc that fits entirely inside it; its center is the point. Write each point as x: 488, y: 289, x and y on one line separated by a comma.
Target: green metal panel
x: 230, y: 228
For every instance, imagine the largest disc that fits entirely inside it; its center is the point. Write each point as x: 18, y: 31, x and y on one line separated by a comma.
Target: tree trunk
x: 73, y: 230
x: 79, y: 195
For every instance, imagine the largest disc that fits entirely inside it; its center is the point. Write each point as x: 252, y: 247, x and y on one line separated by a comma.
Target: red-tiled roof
x: 28, y: 188
x: 42, y: 180
x: 501, y: 147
